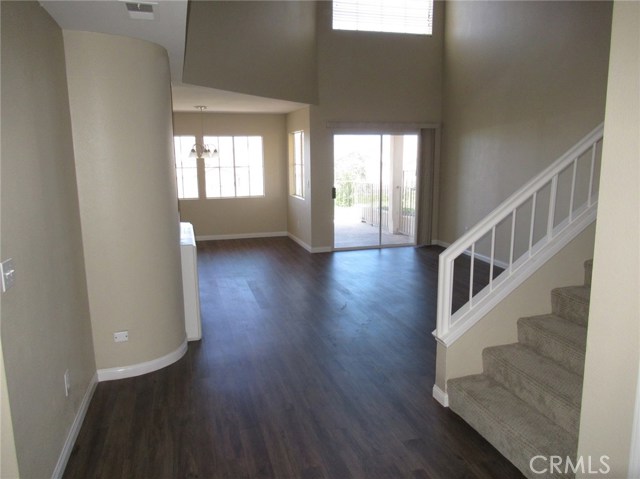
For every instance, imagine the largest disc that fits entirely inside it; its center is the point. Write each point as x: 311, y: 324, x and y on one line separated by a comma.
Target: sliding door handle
x: 333, y: 193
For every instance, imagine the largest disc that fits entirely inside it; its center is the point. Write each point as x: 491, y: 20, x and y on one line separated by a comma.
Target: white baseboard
x: 440, y: 396
x: 300, y: 242
x: 272, y: 234
x: 268, y: 234
x: 123, y: 372
x: 75, y: 429
x: 309, y: 248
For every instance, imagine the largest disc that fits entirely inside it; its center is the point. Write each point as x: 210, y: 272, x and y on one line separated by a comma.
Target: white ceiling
x: 186, y: 97
x: 168, y: 29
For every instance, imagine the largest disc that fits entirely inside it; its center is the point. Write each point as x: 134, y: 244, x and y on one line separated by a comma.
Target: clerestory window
x: 396, y: 16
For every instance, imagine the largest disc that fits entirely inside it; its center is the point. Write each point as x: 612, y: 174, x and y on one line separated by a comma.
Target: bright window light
x: 186, y: 168
x: 237, y: 170
x: 296, y: 154
x: 397, y: 16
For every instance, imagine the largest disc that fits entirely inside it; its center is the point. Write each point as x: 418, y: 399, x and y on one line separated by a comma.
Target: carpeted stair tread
x: 527, y: 401
x: 539, y: 381
x: 513, y: 427
x: 555, y: 338
x: 572, y: 303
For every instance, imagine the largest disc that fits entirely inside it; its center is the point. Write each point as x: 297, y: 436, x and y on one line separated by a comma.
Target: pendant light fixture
x: 202, y: 150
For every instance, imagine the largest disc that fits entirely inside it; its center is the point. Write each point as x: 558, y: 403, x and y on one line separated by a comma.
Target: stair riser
x: 530, y: 392
x: 570, y: 309
x: 507, y: 438
x: 502, y: 440
x: 570, y: 359
x: 564, y: 415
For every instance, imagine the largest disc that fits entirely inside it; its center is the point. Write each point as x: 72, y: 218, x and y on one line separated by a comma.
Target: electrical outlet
x: 121, y: 336
x: 67, y: 383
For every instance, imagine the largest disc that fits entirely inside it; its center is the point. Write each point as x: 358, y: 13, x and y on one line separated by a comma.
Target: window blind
x: 398, y: 16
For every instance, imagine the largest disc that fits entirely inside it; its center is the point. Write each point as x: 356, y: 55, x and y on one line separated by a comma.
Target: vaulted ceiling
x: 166, y: 25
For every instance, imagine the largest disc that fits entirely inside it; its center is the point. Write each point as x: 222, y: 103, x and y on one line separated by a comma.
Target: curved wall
x: 119, y: 93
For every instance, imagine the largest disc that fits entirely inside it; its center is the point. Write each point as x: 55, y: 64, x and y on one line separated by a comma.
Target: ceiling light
x: 201, y: 150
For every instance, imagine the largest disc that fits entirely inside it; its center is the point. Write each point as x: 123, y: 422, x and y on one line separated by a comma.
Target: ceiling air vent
x: 140, y: 11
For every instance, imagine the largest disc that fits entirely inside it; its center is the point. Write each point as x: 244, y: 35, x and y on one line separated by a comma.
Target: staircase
x: 527, y: 401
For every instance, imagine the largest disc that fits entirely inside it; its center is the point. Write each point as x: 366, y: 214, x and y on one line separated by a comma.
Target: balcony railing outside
x: 374, y: 203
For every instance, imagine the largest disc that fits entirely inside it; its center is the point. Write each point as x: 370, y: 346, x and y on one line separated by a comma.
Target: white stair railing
x: 518, y: 237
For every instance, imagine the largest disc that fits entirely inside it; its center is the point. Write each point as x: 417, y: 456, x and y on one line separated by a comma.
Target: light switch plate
x: 8, y: 273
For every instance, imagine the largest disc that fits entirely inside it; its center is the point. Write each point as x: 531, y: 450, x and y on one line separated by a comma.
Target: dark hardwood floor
x: 310, y: 366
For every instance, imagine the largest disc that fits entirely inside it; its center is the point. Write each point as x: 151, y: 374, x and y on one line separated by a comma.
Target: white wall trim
x: 300, y: 242
x: 123, y: 372
x: 440, y: 396
x: 309, y: 248
x: 268, y: 234
x: 273, y: 234
x: 75, y: 429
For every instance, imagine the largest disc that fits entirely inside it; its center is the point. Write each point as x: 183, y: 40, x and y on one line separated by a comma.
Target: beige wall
x: 368, y: 77
x: 299, y: 209
x: 613, y: 341
x: 531, y: 298
x: 119, y: 92
x: 241, y: 216
x: 523, y: 82
x: 255, y: 47
x: 46, y: 327
x: 8, y: 459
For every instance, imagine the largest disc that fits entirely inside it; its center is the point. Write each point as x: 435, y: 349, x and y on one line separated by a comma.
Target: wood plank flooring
x: 311, y: 366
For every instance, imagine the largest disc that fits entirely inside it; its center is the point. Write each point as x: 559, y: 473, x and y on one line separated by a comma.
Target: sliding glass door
x: 375, y: 190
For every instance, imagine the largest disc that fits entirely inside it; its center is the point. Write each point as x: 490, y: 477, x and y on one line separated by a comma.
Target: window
x: 397, y: 16
x: 186, y: 168
x: 237, y: 170
x: 296, y: 155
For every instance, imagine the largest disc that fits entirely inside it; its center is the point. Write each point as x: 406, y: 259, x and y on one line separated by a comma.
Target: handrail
x: 558, y: 232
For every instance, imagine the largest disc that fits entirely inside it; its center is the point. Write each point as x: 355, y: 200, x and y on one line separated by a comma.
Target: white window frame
x: 220, y: 144
x: 389, y: 16
x: 297, y: 164
x: 182, y: 147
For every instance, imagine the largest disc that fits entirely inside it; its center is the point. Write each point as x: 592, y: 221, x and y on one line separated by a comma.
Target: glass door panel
x: 357, y: 183
x: 375, y: 202
x: 399, y: 162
